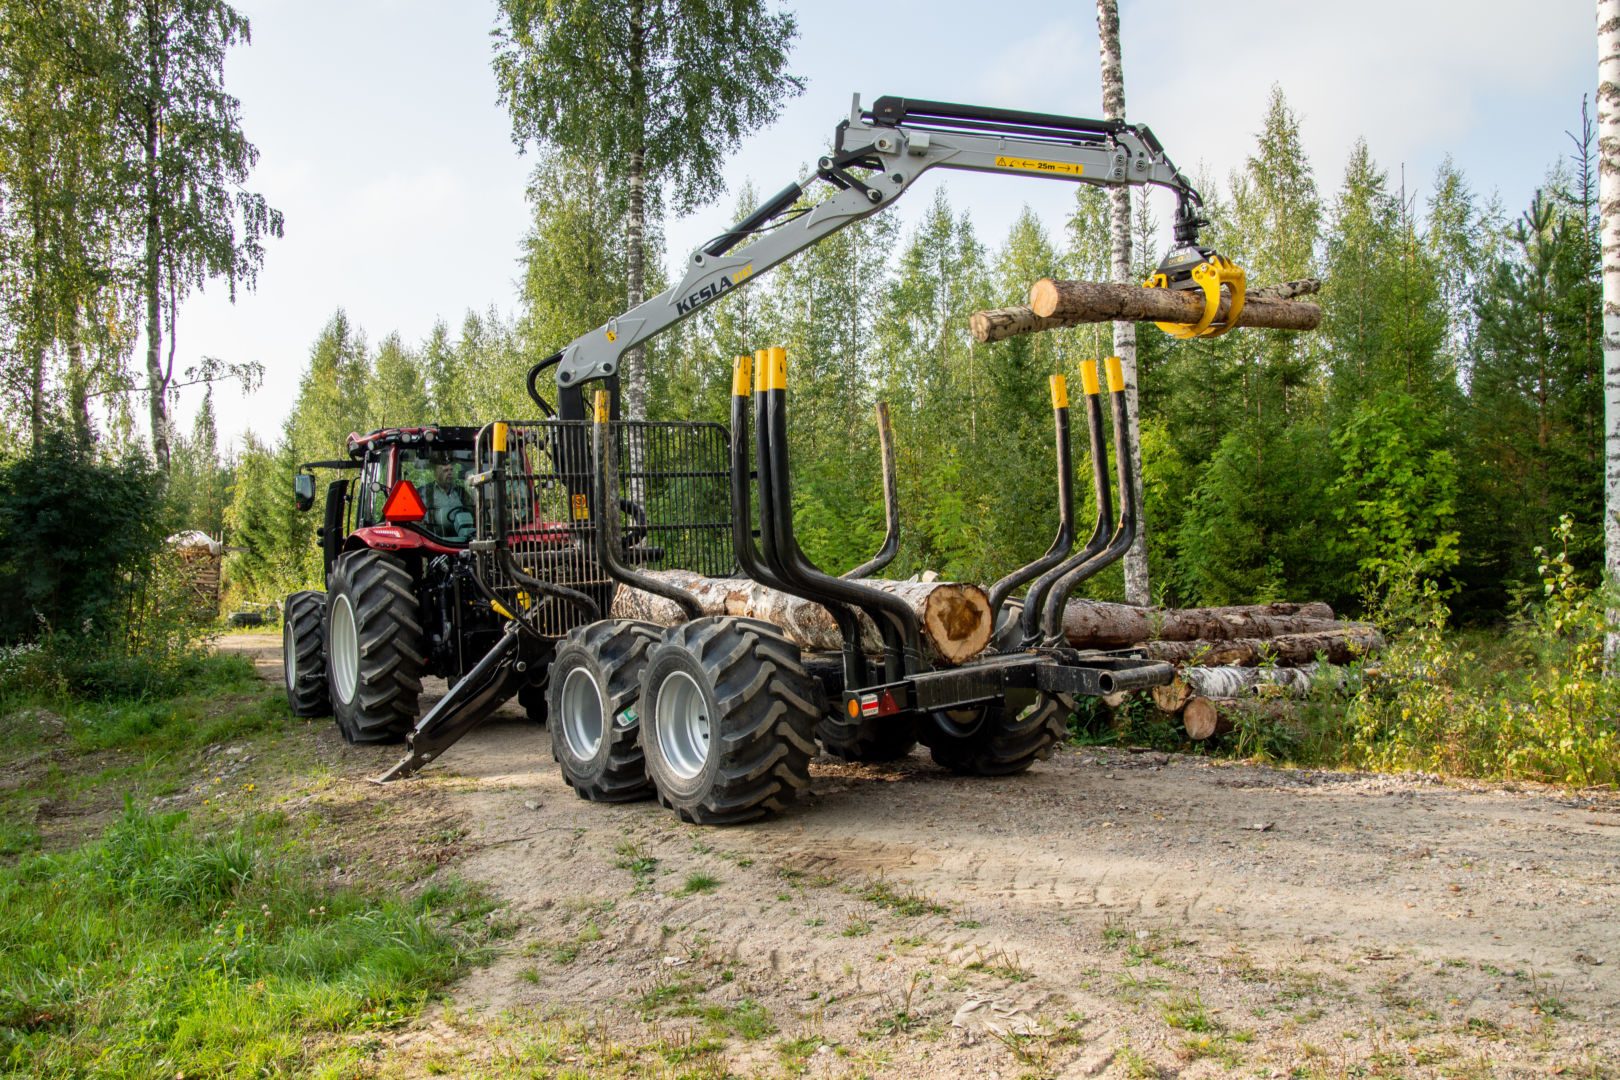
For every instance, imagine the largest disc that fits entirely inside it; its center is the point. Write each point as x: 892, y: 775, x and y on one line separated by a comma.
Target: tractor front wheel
x: 595, y: 682
x: 303, y: 654
x: 728, y: 716
x: 373, y: 647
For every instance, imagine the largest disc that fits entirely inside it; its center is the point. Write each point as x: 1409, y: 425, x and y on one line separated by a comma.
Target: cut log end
x: 1203, y: 719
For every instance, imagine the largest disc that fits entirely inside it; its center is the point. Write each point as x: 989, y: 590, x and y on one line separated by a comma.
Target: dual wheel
x: 716, y: 717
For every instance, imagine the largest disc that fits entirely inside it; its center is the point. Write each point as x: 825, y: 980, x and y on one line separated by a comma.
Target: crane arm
x: 878, y: 154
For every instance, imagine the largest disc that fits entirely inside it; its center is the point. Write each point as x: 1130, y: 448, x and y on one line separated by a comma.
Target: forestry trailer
x: 718, y: 715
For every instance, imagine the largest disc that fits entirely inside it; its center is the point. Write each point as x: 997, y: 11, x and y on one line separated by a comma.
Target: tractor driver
x: 443, y: 498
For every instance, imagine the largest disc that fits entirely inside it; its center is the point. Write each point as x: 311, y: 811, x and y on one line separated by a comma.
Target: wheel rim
x: 683, y: 725
x: 583, y: 713
x: 344, y: 643
x: 289, y: 657
x: 960, y: 723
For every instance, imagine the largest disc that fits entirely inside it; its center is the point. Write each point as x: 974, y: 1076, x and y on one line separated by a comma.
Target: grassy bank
x: 205, y: 940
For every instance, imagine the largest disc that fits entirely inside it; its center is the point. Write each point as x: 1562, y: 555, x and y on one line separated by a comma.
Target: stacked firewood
x: 1230, y: 658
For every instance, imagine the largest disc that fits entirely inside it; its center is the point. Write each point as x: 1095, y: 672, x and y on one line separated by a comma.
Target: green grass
x: 161, y: 951
x: 699, y: 882
x: 901, y: 901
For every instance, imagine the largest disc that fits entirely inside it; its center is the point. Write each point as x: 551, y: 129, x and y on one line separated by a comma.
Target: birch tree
x: 655, y: 92
x: 1608, y: 101
x: 1138, y: 589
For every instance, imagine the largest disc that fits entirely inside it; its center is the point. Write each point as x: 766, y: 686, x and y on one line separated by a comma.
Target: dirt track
x: 1124, y: 912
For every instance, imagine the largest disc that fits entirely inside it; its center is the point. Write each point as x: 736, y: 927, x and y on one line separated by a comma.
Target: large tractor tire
x: 866, y: 739
x: 728, y: 717
x: 997, y: 740
x: 374, y: 655
x: 303, y: 654
x: 594, y: 690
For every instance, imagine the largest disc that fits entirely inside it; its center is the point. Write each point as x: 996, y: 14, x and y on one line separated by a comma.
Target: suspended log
x: 1234, y: 682
x: 955, y: 618
x: 1286, y: 290
x: 1093, y: 301
x: 1094, y: 624
x: 1340, y: 645
x: 998, y: 324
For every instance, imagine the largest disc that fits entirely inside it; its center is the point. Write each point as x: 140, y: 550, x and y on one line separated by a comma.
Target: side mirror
x: 303, y: 491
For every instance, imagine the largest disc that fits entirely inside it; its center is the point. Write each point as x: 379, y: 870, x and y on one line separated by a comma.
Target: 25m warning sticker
x: 1066, y: 168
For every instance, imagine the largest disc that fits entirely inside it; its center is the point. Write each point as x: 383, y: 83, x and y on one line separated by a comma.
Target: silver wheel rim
x: 683, y: 725
x: 344, y: 643
x: 583, y: 714
x: 289, y: 657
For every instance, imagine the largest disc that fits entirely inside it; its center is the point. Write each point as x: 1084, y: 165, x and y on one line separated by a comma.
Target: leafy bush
x: 1550, y: 715
x: 91, y: 599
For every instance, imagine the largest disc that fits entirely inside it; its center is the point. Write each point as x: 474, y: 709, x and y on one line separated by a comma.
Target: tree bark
x: 1089, y: 301
x: 157, y: 385
x: 633, y: 377
x: 1094, y: 624
x: 1138, y: 589
x: 955, y: 618
x: 1608, y: 140
x: 1233, y: 682
x: 1348, y: 642
x: 1287, y: 290
x: 998, y: 324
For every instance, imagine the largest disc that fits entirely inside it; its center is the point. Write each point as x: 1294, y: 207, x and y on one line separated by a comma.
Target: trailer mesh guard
x: 674, y: 510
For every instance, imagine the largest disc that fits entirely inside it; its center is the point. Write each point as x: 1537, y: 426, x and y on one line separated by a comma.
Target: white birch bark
x: 1608, y: 132
x: 1137, y: 587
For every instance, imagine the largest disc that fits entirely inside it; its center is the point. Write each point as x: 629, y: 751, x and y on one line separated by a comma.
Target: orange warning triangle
x: 404, y: 504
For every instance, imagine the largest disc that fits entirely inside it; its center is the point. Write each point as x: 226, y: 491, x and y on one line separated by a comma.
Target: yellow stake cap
x: 1116, y: 374
x: 742, y: 375
x: 1060, y: 391
x: 1088, y: 378
x: 497, y: 437
x: 761, y: 363
x: 775, y: 375
x: 602, y: 409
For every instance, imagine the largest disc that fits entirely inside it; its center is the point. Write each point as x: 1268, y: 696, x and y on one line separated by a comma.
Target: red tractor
x: 401, y: 599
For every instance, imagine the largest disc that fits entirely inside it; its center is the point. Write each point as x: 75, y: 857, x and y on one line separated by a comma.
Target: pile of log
x: 1231, y: 659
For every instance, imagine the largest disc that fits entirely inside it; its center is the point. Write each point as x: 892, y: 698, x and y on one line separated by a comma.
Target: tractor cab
x: 411, y: 493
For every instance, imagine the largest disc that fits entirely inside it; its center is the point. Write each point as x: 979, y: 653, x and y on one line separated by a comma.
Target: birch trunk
x: 633, y: 373
x: 1096, y: 624
x: 1234, y: 682
x: 157, y: 385
x: 1608, y: 132
x: 1137, y: 588
x: 1347, y: 642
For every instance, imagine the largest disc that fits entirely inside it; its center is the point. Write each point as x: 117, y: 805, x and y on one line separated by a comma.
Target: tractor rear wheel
x: 728, y: 716
x: 303, y: 654
x: 373, y: 647
x: 594, y: 688
x: 871, y: 740
x: 997, y: 740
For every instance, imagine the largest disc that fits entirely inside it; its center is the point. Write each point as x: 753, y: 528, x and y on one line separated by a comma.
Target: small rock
x: 674, y: 961
x: 1261, y: 826
x: 531, y: 805
x: 1588, y: 958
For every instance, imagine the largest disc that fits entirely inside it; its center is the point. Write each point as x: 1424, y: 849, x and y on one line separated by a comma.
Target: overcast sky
x: 382, y: 140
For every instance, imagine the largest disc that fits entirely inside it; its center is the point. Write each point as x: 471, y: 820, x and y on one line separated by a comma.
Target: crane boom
x: 878, y: 154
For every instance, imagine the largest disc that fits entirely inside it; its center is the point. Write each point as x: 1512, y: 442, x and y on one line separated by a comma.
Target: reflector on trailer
x: 404, y: 504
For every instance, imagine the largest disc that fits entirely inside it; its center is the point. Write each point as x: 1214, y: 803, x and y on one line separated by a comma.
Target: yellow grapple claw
x: 1209, y: 275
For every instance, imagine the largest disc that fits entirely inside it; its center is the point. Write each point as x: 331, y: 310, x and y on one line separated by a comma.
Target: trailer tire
x: 594, y: 689
x: 997, y: 740
x: 374, y: 647
x: 866, y: 740
x: 303, y: 654
x: 728, y: 720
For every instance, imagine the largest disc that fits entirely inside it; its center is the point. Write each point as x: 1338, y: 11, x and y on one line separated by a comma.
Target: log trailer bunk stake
x: 718, y: 716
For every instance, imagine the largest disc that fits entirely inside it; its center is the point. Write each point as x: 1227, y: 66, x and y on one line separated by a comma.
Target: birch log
x: 1340, y: 645
x: 955, y: 618
x: 1089, y: 301
x: 1231, y: 682
x: 1094, y: 624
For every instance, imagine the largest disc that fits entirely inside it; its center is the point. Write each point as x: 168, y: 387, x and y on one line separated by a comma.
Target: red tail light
x: 404, y: 505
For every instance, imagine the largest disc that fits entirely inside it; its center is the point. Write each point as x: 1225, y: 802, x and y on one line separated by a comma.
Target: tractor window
x: 439, y: 475
x: 373, y: 490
